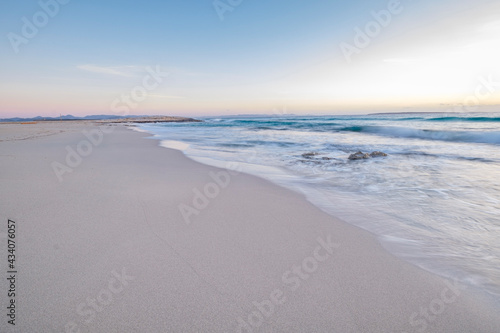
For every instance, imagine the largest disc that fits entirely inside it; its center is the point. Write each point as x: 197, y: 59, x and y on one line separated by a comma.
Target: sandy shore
x: 117, y: 234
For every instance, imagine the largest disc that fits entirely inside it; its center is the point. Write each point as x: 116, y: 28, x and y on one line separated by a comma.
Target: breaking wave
x: 491, y: 137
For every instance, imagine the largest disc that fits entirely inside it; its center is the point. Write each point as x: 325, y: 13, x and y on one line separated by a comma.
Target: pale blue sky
x: 264, y: 55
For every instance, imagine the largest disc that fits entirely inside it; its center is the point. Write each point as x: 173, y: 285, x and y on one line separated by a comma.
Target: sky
x: 205, y: 57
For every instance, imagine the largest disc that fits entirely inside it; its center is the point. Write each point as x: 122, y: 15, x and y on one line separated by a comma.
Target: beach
x: 431, y: 198
x: 117, y: 234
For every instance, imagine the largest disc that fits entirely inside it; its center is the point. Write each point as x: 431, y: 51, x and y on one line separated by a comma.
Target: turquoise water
x: 434, y: 200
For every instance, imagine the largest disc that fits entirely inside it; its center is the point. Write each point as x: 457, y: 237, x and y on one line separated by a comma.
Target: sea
x: 434, y: 200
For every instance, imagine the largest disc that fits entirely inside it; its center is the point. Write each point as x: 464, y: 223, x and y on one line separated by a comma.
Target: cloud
x: 120, y: 71
x: 131, y: 71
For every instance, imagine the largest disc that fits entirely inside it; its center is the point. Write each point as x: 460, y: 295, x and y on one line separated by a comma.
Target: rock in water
x: 309, y: 155
x: 359, y: 156
x: 377, y: 154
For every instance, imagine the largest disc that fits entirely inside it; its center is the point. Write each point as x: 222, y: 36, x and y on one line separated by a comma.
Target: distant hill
x: 68, y: 117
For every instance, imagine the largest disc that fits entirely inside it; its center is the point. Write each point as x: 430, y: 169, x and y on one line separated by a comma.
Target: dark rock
x: 377, y: 154
x: 359, y: 156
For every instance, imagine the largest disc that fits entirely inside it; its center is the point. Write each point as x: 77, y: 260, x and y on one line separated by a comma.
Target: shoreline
x: 392, y: 244
x: 120, y: 210
x: 371, y: 215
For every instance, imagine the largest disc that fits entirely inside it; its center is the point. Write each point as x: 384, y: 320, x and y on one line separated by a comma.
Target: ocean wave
x: 235, y: 145
x: 447, y: 156
x: 472, y: 119
x: 491, y: 137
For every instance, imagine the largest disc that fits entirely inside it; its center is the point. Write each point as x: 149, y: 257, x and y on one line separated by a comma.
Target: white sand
x: 117, y: 213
